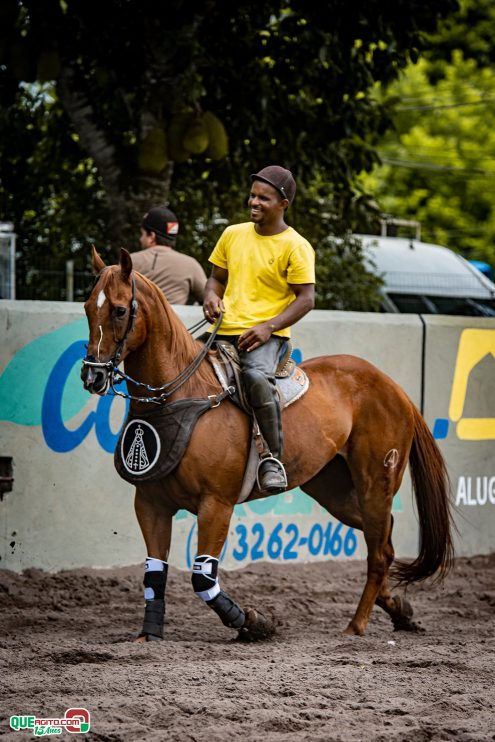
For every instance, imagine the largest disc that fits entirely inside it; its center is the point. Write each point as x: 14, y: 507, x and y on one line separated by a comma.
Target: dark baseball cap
x: 280, y: 178
x: 162, y: 221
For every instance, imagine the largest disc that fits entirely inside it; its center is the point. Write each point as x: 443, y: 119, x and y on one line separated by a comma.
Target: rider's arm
x: 302, y: 304
x: 214, y: 291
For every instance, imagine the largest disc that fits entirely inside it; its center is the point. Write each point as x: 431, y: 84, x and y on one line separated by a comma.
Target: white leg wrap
x: 152, y: 565
x: 204, y: 577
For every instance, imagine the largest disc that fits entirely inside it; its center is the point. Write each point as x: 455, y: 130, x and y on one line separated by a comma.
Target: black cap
x: 163, y: 222
x: 280, y: 178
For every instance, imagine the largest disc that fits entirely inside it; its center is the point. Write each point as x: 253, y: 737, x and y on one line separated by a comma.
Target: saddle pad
x: 152, y: 443
x: 291, y: 381
x: 291, y: 388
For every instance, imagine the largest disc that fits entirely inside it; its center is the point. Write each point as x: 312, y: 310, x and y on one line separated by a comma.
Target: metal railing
x: 53, y: 280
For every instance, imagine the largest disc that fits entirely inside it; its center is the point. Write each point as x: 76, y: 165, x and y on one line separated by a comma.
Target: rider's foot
x: 271, y: 476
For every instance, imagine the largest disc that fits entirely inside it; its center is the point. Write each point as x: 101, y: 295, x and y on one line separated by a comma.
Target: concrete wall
x: 68, y: 507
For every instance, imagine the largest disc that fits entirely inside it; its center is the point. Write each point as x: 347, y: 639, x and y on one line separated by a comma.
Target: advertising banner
x: 69, y: 508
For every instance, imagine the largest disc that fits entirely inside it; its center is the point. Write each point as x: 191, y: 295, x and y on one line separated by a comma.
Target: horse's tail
x: 431, y: 486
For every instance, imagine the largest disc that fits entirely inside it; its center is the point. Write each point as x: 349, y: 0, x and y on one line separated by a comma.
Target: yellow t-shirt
x: 260, y: 271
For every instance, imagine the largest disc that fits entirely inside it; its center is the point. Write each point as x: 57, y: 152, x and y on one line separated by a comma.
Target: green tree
x: 163, y: 99
x: 439, y: 161
x: 470, y: 31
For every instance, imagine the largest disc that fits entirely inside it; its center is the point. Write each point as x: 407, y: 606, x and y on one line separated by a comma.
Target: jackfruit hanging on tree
x: 196, y: 139
x: 175, y: 133
x: 192, y: 134
x: 152, y: 152
x: 218, y: 145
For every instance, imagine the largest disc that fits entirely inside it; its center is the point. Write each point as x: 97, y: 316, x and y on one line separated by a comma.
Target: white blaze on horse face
x: 101, y: 299
x: 99, y: 303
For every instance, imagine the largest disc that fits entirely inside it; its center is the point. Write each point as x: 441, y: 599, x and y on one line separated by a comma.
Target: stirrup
x: 283, y: 484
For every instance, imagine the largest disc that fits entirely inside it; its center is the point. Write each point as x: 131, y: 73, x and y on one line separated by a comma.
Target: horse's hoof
x: 403, y: 607
x: 257, y: 627
x: 353, y: 631
x: 405, y: 624
x: 402, y: 621
x: 147, y: 638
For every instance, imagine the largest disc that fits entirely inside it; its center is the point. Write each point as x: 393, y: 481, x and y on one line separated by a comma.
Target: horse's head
x: 111, y: 311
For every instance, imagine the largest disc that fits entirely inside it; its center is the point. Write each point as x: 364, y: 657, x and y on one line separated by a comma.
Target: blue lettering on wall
x: 57, y: 435
x: 104, y: 435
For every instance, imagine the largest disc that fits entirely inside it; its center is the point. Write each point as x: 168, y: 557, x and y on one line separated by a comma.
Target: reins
x: 171, y: 386
x: 165, y: 390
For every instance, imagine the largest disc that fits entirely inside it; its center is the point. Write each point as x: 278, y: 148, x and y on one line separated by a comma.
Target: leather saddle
x: 292, y: 382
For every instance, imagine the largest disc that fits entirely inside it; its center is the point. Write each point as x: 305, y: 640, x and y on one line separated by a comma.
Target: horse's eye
x: 120, y: 312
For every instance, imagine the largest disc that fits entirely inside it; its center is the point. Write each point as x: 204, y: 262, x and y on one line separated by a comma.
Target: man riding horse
x: 262, y: 281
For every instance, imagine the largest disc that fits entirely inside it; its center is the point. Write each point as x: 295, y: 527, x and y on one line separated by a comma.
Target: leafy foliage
x: 439, y: 162
x: 289, y: 83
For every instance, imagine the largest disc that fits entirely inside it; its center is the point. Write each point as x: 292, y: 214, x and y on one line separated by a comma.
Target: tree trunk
x: 128, y: 198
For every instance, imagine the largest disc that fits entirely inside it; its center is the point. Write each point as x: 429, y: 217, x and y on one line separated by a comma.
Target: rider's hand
x: 212, y: 307
x: 255, y: 337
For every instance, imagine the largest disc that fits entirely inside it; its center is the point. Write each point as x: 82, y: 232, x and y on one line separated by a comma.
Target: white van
x: 421, y: 278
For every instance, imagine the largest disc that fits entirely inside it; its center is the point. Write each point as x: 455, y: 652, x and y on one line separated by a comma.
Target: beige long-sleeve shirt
x: 180, y: 277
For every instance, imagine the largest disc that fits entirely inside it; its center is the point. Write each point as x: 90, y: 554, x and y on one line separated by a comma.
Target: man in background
x: 179, y: 276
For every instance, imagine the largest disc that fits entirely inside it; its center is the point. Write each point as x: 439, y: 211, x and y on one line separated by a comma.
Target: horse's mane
x: 182, y: 345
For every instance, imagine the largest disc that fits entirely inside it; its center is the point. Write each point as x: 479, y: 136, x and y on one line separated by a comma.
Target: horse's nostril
x: 100, y: 381
x: 94, y: 380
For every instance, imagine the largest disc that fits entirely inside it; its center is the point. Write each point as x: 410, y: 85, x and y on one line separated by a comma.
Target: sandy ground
x: 65, y: 641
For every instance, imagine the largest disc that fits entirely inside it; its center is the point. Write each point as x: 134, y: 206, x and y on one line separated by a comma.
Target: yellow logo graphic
x: 474, y: 345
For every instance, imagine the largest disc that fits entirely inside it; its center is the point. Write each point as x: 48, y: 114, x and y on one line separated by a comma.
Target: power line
x: 432, y: 166
x: 421, y: 94
x: 440, y: 159
x: 445, y: 105
x: 441, y: 148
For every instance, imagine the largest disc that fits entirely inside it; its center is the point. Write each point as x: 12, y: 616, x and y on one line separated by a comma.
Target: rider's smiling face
x: 265, y: 203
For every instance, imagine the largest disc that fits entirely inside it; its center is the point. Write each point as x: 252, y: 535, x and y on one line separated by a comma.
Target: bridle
x: 115, y: 376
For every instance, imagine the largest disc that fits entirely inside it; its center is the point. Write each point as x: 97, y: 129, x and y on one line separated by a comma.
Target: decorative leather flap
x: 152, y: 443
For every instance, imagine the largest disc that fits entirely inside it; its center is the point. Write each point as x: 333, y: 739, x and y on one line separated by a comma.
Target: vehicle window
x: 451, y: 305
x: 464, y: 307
x: 412, y: 304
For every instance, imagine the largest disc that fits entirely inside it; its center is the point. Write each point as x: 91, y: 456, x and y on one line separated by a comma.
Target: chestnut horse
x: 347, y: 444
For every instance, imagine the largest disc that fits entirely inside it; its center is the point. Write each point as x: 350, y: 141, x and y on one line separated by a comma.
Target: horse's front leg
x: 213, y: 525
x: 155, y: 520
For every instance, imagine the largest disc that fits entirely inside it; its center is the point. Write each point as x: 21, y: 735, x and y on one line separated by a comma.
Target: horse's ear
x: 96, y: 261
x: 125, y: 263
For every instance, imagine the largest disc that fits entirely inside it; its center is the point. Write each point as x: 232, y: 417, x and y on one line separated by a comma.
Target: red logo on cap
x: 172, y: 227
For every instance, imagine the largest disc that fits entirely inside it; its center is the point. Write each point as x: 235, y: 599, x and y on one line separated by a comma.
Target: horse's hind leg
x: 155, y: 521
x: 396, y: 606
x: 333, y: 489
x: 213, y: 525
x: 376, y: 484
